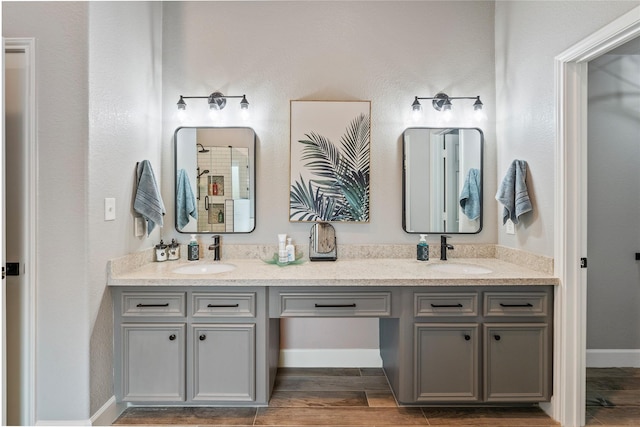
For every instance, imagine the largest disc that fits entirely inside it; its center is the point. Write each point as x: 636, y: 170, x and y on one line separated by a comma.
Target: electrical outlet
x: 109, y: 209
x: 138, y: 226
x: 510, y: 227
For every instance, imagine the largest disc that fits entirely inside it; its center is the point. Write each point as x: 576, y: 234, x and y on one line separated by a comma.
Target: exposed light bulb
x: 181, y: 115
x: 479, y: 115
x: 214, y: 114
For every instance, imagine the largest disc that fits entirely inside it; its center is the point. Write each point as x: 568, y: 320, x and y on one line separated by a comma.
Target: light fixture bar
x: 442, y: 102
x: 217, y: 101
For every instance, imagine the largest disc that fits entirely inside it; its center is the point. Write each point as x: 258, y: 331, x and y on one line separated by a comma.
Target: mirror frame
x: 404, y: 184
x: 252, y: 178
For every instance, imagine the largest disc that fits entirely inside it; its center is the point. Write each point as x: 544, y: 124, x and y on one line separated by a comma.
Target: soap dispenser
x: 193, y: 249
x: 423, y: 249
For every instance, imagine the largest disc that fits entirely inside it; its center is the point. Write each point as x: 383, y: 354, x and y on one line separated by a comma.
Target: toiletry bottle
x: 423, y: 249
x: 291, y: 251
x: 220, y: 217
x: 193, y: 252
x: 174, y: 250
x: 282, y: 249
x: 161, y: 252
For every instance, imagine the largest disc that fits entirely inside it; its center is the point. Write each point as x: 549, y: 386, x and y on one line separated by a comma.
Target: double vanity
x: 464, y: 331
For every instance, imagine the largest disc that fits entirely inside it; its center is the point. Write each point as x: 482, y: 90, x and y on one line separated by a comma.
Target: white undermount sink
x: 209, y: 268
x: 456, y: 267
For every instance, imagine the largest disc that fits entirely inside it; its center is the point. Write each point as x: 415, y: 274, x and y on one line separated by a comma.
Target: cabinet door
x: 516, y: 362
x: 224, y: 362
x: 446, y: 362
x: 153, y: 362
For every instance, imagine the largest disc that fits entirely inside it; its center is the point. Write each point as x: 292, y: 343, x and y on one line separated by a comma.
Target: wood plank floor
x: 613, y: 397
x: 334, y: 398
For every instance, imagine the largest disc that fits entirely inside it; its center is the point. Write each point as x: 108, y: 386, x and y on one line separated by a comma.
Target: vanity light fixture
x: 217, y: 101
x: 442, y: 102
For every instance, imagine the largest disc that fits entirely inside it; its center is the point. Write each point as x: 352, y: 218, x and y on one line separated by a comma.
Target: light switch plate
x: 510, y: 227
x: 138, y: 226
x: 109, y: 209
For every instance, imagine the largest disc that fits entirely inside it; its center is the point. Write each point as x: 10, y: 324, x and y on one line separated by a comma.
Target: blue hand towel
x: 513, y: 193
x: 148, y: 201
x: 185, y: 201
x: 470, y: 195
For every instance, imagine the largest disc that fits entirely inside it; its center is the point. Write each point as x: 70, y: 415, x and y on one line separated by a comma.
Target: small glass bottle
x: 161, y: 252
x: 174, y: 250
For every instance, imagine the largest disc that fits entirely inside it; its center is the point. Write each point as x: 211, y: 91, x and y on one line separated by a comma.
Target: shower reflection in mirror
x: 219, y: 163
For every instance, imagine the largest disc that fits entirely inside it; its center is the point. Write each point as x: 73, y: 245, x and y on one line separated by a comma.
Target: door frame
x: 28, y: 46
x: 570, y: 237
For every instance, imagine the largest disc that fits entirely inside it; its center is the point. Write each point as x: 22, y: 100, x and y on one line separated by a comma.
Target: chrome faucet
x: 444, y: 246
x: 215, y: 247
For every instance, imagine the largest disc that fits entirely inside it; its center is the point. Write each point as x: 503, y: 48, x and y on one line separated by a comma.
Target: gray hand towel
x: 185, y: 201
x: 470, y: 194
x: 513, y: 193
x: 148, y: 201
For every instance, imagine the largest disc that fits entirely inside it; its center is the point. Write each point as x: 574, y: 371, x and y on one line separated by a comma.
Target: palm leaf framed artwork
x: 329, y: 161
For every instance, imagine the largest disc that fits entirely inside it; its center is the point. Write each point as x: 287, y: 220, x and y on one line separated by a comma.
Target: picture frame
x: 330, y: 161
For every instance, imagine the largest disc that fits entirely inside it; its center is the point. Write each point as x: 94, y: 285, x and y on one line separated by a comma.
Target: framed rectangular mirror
x: 215, y: 179
x: 442, y: 180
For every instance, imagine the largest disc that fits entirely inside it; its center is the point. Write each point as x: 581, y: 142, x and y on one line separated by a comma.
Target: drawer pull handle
x: 446, y: 305
x: 497, y: 337
x: 222, y: 305
x: 152, y: 305
x: 202, y: 337
x: 335, y: 305
x: 467, y: 337
x: 516, y: 305
x: 172, y: 337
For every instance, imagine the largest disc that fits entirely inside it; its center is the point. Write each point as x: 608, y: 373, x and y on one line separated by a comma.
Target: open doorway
x: 613, y: 274
x: 20, y: 216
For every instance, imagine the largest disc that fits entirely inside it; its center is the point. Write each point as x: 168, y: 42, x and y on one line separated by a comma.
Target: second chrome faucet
x: 444, y: 246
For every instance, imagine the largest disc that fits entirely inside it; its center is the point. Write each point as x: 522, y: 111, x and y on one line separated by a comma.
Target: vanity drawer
x: 516, y: 304
x: 224, y: 304
x: 147, y: 304
x: 445, y: 304
x: 335, y: 304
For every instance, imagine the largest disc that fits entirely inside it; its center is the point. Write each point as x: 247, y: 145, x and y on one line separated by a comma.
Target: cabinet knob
x: 172, y: 337
x: 497, y: 337
x: 467, y: 337
x: 202, y: 337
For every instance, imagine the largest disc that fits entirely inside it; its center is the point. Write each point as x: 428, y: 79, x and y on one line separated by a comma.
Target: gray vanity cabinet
x: 193, y: 345
x: 466, y: 345
x: 447, y: 362
x: 223, y: 362
x: 153, y: 364
x: 516, y: 362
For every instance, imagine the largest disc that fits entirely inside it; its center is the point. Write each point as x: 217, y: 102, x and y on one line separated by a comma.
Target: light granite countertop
x: 346, y: 272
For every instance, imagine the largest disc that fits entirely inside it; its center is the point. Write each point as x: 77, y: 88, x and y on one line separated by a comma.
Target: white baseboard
x: 108, y: 413
x: 330, y: 358
x: 105, y: 416
x: 613, y: 358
